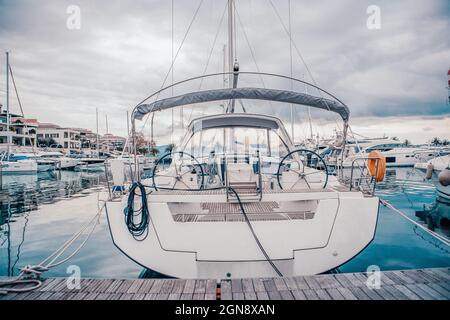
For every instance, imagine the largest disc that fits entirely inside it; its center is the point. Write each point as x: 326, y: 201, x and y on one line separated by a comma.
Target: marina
x: 223, y: 183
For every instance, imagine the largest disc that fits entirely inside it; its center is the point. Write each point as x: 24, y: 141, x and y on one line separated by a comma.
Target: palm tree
x: 154, y: 151
x: 436, y: 141
x: 170, y: 147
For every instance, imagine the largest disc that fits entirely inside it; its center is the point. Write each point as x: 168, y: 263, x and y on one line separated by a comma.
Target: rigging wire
x: 252, y: 53
x: 15, y: 89
x: 291, y: 68
x: 308, y: 70
x: 173, y: 60
x: 210, y: 55
x: 172, y: 16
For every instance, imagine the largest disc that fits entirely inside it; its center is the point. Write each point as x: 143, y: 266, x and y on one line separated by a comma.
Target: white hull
x: 19, y: 167
x: 337, y: 232
x: 67, y: 163
x: 46, y: 167
x: 403, y: 159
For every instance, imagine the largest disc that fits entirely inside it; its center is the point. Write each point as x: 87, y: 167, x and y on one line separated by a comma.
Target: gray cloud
x: 123, y: 51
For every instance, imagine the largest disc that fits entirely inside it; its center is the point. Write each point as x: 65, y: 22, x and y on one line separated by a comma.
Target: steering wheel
x: 302, y: 163
x: 179, y: 172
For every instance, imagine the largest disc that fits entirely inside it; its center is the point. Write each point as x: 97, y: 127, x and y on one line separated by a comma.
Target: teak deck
x: 422, y: 284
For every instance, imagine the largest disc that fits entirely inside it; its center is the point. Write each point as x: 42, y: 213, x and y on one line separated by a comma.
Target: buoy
x: 429, y: 172
x: 376, y: 164
x: 444, y: 177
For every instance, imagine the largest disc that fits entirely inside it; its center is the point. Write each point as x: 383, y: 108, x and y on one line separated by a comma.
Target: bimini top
x: 243, y: 93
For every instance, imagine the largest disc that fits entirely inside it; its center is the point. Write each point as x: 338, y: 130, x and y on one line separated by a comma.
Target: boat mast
x: 96, y: 120
x: 233, y: 66
x: 107, y: 134
x: 230, y: 40
x: 309, y: 113
x: 7, y: 103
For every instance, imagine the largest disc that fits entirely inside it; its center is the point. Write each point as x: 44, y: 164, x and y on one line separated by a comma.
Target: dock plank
x: 407, y: 292
x: 420, y: 284
x: 299, y: 295
x: 200, y: 286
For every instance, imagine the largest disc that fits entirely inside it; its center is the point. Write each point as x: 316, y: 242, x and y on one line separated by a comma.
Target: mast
x: 7, y: 102
x: 128, y: 131
x: 107, y: 132
x: 230, y: 40
x: 309, y: 112
x: 233, y: 65
x: 96, y: 120
x: 225, y: 68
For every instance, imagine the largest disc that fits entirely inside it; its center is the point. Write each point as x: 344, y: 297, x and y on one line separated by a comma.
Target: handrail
x: 364, y: 176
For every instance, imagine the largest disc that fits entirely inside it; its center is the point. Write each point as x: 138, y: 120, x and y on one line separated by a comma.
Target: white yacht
x: 18, y: 167
x: 62, y: 162
x: 397, y: 153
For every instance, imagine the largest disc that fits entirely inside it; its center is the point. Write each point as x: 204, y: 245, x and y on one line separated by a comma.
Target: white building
x: 22, y: 131
x: 109, y: 142
x: 67, y: 138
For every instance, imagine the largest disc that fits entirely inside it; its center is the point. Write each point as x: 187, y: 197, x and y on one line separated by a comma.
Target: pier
x: 419, y: 284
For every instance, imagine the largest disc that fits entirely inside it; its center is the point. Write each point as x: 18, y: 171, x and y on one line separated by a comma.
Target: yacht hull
x: 19, y: 167
x: 343, y: 225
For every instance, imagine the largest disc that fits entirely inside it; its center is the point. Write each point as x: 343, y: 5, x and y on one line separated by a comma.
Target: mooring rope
x: 30, y: 274
x: 432, y: 233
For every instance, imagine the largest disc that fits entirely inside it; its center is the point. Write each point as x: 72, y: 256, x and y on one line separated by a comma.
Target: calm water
x: 29, y: 236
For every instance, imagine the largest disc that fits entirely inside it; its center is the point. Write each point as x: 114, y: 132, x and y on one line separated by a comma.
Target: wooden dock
x: 422, y: 284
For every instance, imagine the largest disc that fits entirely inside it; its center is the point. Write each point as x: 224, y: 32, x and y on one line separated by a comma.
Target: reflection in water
x: 437, y: 216
x: 27, y: 235
x: 21, y: 194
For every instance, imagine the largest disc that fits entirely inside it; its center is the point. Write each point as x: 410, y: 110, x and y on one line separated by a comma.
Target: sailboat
x: 9, y: 165
x: 210, y: 211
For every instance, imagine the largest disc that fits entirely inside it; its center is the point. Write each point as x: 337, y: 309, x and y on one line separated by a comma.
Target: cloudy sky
x: 393, y: 78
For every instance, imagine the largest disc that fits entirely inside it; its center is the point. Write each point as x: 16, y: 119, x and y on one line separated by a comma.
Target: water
x: 30, y: 236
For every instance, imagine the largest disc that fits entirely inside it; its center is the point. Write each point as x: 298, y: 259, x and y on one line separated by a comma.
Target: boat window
x: 238, y: 140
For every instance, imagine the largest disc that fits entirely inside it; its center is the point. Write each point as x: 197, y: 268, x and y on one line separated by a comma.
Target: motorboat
x: 18, y: 167
x: 397, y: 153
x: 61, y: 161
x: 91, y: 164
